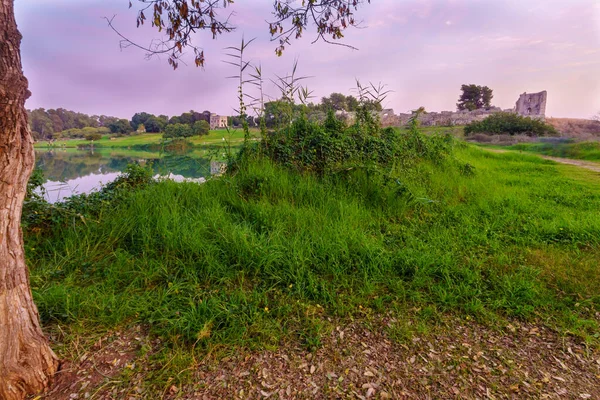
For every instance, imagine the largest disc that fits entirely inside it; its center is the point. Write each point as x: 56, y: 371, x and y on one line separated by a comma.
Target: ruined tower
x: 532, y: 105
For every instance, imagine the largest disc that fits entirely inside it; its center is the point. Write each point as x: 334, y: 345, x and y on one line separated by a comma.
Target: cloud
x: 423, y: 49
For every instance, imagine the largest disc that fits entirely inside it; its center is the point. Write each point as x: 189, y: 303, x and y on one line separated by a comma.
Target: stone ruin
x: 531, y: 105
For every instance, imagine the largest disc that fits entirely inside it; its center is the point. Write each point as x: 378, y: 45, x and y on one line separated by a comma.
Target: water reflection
x: 71, y: 171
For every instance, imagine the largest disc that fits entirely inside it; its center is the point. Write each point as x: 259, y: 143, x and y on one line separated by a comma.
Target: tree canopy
x: 201, y: 128
x: 180, y: 19
x: 139, y: 118
x: 120, y: 126
x: 474, y: 97
x: 44, y: 123
x: 338, y: 101
x: 178, y: 131
x: 155, y: 124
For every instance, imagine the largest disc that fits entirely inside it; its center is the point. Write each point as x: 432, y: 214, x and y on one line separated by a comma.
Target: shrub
x: 201, y: 128
x: 178, y: 131
x: 93, y: 136
x: 512, y: 124
x: 332, y: 147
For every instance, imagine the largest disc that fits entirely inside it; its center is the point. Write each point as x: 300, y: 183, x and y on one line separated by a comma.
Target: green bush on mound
x: 331, y: 147
x: 512, y: 124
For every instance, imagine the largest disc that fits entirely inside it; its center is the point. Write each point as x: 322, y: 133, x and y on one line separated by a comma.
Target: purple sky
x: 422, y: 49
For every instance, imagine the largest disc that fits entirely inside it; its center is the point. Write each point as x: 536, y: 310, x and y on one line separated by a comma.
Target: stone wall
x: 443, y: 118
x: 531, y: 105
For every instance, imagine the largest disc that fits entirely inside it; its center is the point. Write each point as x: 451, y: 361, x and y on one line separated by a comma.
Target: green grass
x: 267, y: 256
x: 148, y: 139
x: 251, y: 257
x: 457, y: 131
x: 589, y: 151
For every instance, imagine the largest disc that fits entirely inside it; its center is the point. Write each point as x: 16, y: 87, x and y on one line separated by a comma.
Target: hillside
x: 584, y: 129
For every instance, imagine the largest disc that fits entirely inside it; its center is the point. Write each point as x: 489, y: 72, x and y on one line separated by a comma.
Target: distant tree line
x: 179, y: 130
x: 275, y: 111
x: 46, y: 123
x: 60, y: 123
x: 340, y: 102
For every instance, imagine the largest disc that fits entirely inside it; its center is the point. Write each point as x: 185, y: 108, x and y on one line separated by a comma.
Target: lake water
x: 72, y: 171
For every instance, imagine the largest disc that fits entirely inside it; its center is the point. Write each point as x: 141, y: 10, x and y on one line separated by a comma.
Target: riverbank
x: 215, y: 138
x: 147, y: 140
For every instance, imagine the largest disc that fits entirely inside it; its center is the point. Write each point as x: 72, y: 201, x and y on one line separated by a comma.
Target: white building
x: 218, y: 121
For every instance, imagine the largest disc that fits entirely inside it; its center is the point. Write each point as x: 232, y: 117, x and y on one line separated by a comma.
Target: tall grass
x: 266, y: 254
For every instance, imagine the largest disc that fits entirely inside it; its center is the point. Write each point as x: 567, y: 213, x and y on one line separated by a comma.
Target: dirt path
x: 580, y: 163
x: 592, y: 166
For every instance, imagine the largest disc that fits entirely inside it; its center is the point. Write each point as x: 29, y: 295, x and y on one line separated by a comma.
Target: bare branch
x: 331, y: 17
x: 178, y: 20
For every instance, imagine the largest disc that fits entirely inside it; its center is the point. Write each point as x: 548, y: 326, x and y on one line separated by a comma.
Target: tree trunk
x: 26, y: 361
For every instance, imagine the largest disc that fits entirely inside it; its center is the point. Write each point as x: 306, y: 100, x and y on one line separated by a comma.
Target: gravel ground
x: 460, y: 359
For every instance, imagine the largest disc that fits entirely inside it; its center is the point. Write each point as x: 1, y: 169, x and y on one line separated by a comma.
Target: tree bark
x: 26, y: 361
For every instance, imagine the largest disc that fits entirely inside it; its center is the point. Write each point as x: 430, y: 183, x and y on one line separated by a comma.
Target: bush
x: 331, y: 146
x: 201, y: 128
x: 512, y: 124
x: 178, y: 131
x: 93, y: 136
